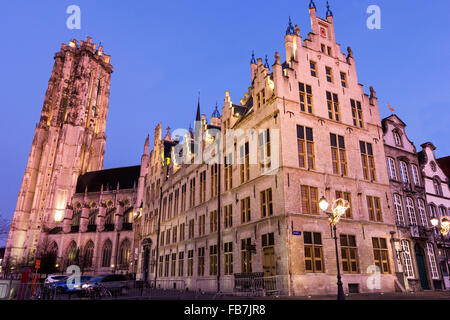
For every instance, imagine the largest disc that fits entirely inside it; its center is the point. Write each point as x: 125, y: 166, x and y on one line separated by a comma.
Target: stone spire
x: 329, y: 12
x: 216, y: 113
x: 253, y: 60
x: 312, y: 5
x: 266, y: 63
x: 290, y: 29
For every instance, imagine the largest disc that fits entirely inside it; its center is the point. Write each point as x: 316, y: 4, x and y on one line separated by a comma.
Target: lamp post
x: 338, y: 209
x: 443, y: 228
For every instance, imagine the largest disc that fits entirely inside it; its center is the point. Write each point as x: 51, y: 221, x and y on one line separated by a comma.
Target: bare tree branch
x: 4, y: 228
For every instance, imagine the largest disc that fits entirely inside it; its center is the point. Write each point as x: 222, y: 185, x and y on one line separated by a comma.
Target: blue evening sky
x: 164, y: 52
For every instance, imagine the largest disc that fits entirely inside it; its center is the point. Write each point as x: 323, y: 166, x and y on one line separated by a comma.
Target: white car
x: 54, y: 278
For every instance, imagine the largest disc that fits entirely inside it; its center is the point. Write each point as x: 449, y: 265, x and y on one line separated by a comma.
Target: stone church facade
x: 231, y: 202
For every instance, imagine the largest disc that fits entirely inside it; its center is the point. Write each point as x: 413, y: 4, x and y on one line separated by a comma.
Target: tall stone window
x: 367, y: 160
x: 381, y: 254
x: 246, y: 256
x: 338, y: 154
x: 228, y: 254
x: 305, y: 145
x: 357, y: 114
x: 391, y: 168
x: 201, y: 262
x: 181, y: 263
x: 411, y: 211
x: 213, y: 260
x: 124, y: 254
x: 346, y: 196
x: 306, y: 97
x: 88, y: 254
x: 314, y: 261
x: 422, y: 212
x: 190, y: 266
x: 432, y: 261
x: 266, y: 203
x: 244, y: 152
x: 309, y: 200
x: 407, y: 259
x: 374, y: 207
x: 415, y: 175
x: 245, y: 210
x: 349, y: 253
x: 214, y: 180
x: 404, y: 172
x: 106, y: 254
x: 333, y: 106
x: 398, y: 207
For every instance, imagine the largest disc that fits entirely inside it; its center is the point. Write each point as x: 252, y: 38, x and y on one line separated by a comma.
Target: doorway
x: 421, y: 267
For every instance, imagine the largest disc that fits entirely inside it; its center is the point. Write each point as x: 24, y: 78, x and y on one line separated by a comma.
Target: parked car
x: 115, y: 283
x: 62, y: 286
x: 51, y: 279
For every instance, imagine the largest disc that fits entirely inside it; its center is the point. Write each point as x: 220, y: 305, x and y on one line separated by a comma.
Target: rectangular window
x: 333, y: 106
x: 415, y: 174
x: 245, y: 210
x: 190, y: 268
x: 201, y: 262
x: 374, y: 208
x: 160, y: 266
x: 191, y: 229
x: 338, y: 155
x: 170, y: 206
x: 228, y: 213
x: 349, y: 253
x: 357, y: 113
x: 213, y: 260
x: 404, y: 172
x: 309, y: 200
x: 213, y: 221
x: 407, y: 259
x: 228, y: 161
x: 313, y: 252
x: 381, y: 255
x: 176, y: 202
x: 202, y: 225
x: 305, y: 145
x: 166, y: 265
x: 246, y: 255
x: 245, y: 162
x: 181, y: 264
x: 168, y: 237
x: 162, y: 237
x: 346, y: 196
x: 214, y: 180
x: 367, y: 160
x: 398, y: 208
x: 306, y: 98
x: 173, y: 265
x: 432, y: 261
x: 264, y: 150
x: 391, y: 168
x: 329, y: 73
x: 344, y: 80
x: 174, y: 234
x: 202, y: 186
x: 312, y: 66
x: 183, y: 198
x: 192, y: 193
x: 182, y: 231
x: 266, y: 203
x: 228, y: 254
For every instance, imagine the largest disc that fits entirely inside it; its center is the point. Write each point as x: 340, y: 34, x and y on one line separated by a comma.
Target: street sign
x: 296, y: 233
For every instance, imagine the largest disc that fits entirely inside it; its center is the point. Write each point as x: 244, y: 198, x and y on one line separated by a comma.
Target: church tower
x: 68, y: 141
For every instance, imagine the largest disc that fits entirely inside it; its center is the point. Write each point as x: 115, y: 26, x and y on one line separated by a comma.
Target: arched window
x: 72, y: 253
x: 404, y: 172
x: 432, y: 261
x: 398, y: 206
x: 53, y: 248
x: 411, y: 211
x: 415, y: 175
x: 127, y: 211
x: 88, y: 254
x: 93, y: 214
x: 124, y: 254
x: 407, y: 259
x: 106, y: 254
x: 422, y: 212
x: 433, y: 211
x: 110, y: 212
x: 391, y: 169
x: 443, y: 211
x: 76, y: 215
x: 437, y: 186
x: 397, y: 138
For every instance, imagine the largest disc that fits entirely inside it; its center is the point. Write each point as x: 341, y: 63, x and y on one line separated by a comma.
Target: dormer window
x: 397, y: 138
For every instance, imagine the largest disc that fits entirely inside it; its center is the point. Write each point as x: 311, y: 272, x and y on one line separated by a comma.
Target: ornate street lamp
x: 443, y: 225
x: 338, y: 209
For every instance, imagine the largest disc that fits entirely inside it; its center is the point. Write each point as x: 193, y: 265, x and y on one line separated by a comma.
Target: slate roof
x: 125, y: 176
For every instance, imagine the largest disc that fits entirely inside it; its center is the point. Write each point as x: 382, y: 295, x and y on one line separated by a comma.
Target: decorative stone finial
x: 253, y: 60
x: 297, y: 30
x: 216, y: 113
x: 312, y: 5
x: 290, y: 29
x: 350, y: 52
x: 266, y: 64
x: 277, y: 58
x: 329, y: 13
x: 372, y: 92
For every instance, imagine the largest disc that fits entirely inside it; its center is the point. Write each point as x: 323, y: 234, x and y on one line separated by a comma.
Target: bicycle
x: 99, y: 291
